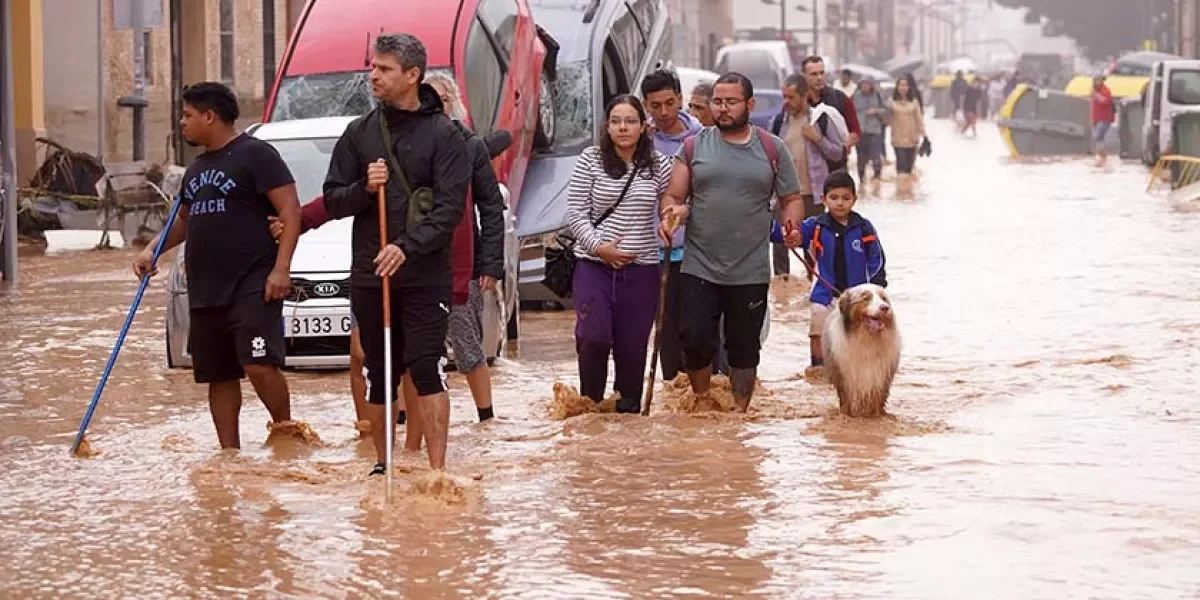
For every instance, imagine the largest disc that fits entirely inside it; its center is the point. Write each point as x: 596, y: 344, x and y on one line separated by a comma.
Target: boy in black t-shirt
x: 237, y: 276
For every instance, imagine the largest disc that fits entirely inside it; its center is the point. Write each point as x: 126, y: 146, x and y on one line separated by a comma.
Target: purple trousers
x: 614, y: 313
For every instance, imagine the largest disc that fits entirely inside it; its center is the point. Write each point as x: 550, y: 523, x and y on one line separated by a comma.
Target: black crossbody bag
x: 561, y: 259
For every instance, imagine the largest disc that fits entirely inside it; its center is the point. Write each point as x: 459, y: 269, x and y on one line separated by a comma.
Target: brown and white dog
x: 862, y: 350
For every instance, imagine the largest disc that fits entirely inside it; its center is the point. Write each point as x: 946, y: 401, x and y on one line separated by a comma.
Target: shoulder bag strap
x: 391, y: 152
x: 625, y: 190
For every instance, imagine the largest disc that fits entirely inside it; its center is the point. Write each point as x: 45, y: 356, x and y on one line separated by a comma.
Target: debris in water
x: 85, y: 449
x: 568, y: 403
x: 293, y: 429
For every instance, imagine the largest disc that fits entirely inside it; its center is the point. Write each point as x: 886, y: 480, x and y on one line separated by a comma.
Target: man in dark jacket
x: 426, y: 161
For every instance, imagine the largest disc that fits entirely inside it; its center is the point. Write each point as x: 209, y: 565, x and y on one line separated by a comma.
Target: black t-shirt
x: 229, y: 249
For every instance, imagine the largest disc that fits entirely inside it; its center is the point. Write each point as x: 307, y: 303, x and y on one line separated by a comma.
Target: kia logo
x: 326, y: 289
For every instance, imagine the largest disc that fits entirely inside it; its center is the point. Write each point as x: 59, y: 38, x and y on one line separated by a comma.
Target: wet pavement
x: 1045, y: 444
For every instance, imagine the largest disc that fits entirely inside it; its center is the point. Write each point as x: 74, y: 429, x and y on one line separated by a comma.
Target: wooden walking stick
x: 658, y: 323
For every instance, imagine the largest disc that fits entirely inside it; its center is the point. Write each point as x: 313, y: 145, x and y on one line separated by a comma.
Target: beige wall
x: 70, y: 70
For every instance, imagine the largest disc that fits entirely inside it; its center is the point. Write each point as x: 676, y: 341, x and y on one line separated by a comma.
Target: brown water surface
x: 1046, y: 444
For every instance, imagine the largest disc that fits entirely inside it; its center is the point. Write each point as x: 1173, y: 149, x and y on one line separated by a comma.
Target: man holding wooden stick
x: 408, y: 146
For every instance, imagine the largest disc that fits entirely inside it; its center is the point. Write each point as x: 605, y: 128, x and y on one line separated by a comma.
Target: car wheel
x: 547, y: 113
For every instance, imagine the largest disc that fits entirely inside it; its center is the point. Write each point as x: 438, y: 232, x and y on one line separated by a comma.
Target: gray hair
x: 455, y: 109
x: 703, y: 89
x: 405, y: 48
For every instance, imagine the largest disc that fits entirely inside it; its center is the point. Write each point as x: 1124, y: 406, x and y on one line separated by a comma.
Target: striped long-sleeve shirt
x: 592, y: 191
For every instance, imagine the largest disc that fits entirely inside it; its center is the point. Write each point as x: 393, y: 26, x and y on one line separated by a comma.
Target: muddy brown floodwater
x: 1047, y: 442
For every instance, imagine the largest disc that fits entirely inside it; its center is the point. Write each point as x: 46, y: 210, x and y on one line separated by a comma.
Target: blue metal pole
x: 112, y: 358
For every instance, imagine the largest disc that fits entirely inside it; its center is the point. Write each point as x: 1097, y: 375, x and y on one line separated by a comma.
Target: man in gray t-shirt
x: 726, y: 265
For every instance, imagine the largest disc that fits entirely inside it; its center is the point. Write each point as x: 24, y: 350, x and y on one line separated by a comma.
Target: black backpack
x: 822, y: 125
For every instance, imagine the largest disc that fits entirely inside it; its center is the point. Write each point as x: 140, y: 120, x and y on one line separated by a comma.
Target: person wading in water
x: 612, y: 206
x: 730, y: 177
x: 237, y: 277
x: 426, y: 163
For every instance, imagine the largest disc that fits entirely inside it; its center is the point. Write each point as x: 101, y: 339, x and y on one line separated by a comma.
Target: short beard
x: 737, y: 125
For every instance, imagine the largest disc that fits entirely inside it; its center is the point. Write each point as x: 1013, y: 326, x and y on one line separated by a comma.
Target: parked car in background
x: 503, y: 62
x: 316, y: 315
x: 766, y: 63
x: 690, y: 77
x: 767, y: 104
x: 606, y: 48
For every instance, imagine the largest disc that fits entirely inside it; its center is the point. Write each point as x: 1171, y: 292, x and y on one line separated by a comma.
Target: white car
x: 316, y: 315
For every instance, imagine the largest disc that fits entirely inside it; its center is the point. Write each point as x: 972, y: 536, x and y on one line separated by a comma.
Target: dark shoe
x: 379, y: 469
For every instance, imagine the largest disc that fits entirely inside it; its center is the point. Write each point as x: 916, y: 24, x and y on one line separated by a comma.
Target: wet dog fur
x: 862, y: 350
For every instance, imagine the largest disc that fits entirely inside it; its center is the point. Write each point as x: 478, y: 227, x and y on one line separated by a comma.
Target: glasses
x: 720, y: 103
x: 626, y: 122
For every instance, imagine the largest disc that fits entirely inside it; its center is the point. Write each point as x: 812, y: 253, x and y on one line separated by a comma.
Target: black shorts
x: 420, y: 318
x: 223, y: 340
x: 744, y: 308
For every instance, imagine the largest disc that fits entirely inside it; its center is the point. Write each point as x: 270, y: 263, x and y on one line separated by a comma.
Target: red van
x: 502, y: 61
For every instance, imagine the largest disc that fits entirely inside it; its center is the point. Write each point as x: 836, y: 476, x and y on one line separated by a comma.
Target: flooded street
x: 1046, y: 444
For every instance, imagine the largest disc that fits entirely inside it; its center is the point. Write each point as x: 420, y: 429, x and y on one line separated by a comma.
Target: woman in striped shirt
x: 617, y: 277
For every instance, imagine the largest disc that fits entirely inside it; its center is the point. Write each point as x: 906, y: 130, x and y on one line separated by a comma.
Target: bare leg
x: 816, y: 351
x: 375, y: 412
x: 435, y: 417
x: 225, y: 403
x: 742, y: 385
x: 701, y: 380
x: 480, y: 382
x: 272, y: 389
x: 358, y: 382
x: 413, y: 427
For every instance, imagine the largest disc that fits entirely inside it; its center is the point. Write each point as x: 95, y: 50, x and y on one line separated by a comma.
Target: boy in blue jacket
x: 846, y: 249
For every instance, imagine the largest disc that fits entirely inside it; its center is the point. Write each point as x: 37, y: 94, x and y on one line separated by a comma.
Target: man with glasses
x: 722, y: 183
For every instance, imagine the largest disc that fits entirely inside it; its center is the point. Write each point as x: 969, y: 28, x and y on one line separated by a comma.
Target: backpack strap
x: 772, y: 154
x: 777, y: 122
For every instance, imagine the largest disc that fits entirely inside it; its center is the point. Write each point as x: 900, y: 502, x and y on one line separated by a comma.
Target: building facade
x: 698, y: 29
x: 76, y: 58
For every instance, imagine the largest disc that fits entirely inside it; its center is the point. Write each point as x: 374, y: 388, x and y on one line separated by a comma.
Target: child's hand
x: 792, y: 238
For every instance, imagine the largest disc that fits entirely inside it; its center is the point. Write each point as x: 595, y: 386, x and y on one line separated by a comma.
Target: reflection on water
x: 1044, y: 444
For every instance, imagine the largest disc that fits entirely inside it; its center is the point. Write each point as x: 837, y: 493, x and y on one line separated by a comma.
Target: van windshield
x: 573, y: 106
x: 345, y: 94
x: 758, y: 66
x: 1184, y: 87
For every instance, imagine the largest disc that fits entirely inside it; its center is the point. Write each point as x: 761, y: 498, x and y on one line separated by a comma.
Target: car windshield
x: 345, y: 94
x: 574, y: 110
x: 1184, y: 87
x: 308, y: 160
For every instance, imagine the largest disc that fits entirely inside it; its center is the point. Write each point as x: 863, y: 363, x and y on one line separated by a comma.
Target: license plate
x: 316, y: 325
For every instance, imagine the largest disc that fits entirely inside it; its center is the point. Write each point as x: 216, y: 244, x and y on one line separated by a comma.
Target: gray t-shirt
x: 729, y: 228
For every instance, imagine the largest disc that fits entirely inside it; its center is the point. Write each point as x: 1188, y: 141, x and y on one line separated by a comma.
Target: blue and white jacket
x: 865, y: 260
